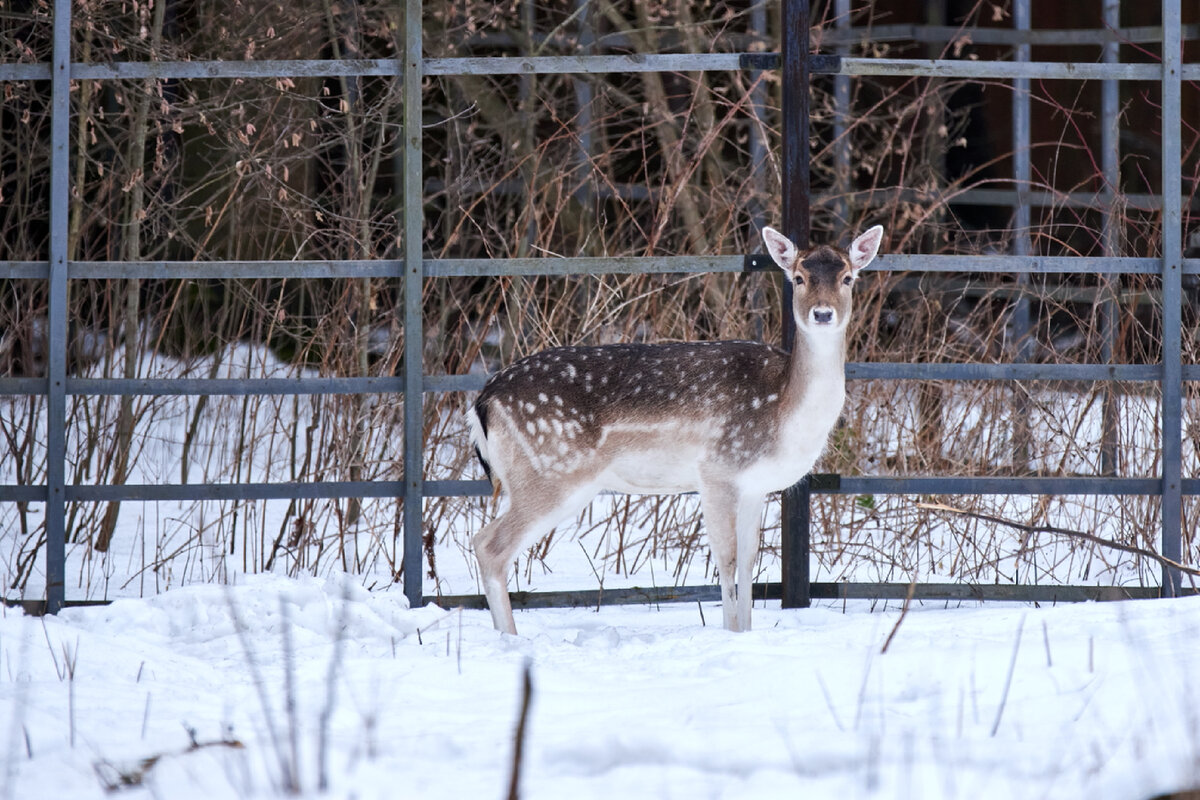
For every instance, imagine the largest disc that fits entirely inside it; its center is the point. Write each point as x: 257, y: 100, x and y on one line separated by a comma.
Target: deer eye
x: 848, y: 280
x: 798, y: 280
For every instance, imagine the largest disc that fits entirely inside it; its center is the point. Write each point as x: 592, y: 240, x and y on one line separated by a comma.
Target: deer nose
x: 822, y: 316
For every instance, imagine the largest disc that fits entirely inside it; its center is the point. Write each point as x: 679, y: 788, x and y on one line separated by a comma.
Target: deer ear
x: 782, y: 251
x: 865, y: 247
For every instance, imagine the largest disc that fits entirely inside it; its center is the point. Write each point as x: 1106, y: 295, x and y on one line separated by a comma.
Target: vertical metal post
x: 1172, y: 294
x: 841, y: 116
x: 414, y: 335
x: 56, y: 396
x: 758, y: 147
x: 1022, y: 245
x: 796, y: 501
x: 1110, y: 155
x: 583, y: 104
x: 525, y: 93
x: 931, y: 395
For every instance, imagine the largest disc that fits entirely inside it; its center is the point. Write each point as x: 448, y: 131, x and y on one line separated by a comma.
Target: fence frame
x: 797, y: 66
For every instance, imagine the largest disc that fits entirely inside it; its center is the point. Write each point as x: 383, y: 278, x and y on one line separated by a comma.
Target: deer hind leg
x: 719, y: 503
x: 529, y: 517
x: 495, y: 544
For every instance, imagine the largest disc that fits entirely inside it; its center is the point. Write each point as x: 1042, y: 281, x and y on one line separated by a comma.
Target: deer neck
x: 816, y: 376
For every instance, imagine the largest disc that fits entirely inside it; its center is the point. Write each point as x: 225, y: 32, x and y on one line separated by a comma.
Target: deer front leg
x: 749, y: 537
x: 718, y: 502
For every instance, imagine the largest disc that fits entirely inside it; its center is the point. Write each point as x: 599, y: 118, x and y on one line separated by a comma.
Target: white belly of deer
x: 659, y: 458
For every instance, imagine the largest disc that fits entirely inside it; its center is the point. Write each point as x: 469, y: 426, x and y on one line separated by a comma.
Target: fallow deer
x: 731, y: 420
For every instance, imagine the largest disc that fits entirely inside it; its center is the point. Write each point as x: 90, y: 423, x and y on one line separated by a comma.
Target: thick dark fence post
x: 414, y: 220
x: 56, y: 392
x: 797, y: 506
x: 796, y: 500
x: 1172, y: 297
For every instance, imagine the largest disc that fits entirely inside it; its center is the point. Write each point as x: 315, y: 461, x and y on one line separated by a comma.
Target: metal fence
x: 797, y: 67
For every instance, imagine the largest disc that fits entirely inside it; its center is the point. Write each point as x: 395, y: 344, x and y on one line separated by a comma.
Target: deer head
x: 822, y: 277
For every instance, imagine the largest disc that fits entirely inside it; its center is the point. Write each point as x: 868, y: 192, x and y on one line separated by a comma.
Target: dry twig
x: 514, y: 784
x: 1087, y: 537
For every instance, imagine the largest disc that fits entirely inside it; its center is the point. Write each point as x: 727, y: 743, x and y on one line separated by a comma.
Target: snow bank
x: 1094, y: 700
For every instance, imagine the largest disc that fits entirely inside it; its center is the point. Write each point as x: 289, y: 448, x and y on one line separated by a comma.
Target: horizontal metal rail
x: 841, y: 590
x: 1139, y: 34
x: 1008, y: 70
x: 295, y: 490
x: 237, y: 270
x: 583, y: 65
x: 194, y: 492
x: 545, y: 65
x: 1025, y: 264
x: 478, y: 267
x: 387, y: 67
x: 217, y: 387
x: 378, y: 268
x: 624, y: 265
x: 986, y: 485
x: 901, y: 370
x: 138, y: 70
x: 233, y: 387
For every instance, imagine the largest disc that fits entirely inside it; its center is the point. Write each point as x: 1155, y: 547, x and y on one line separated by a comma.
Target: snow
x: 1002, y: 700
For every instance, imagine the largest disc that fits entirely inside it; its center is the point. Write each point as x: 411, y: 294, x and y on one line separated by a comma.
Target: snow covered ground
x: 186, y: 694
